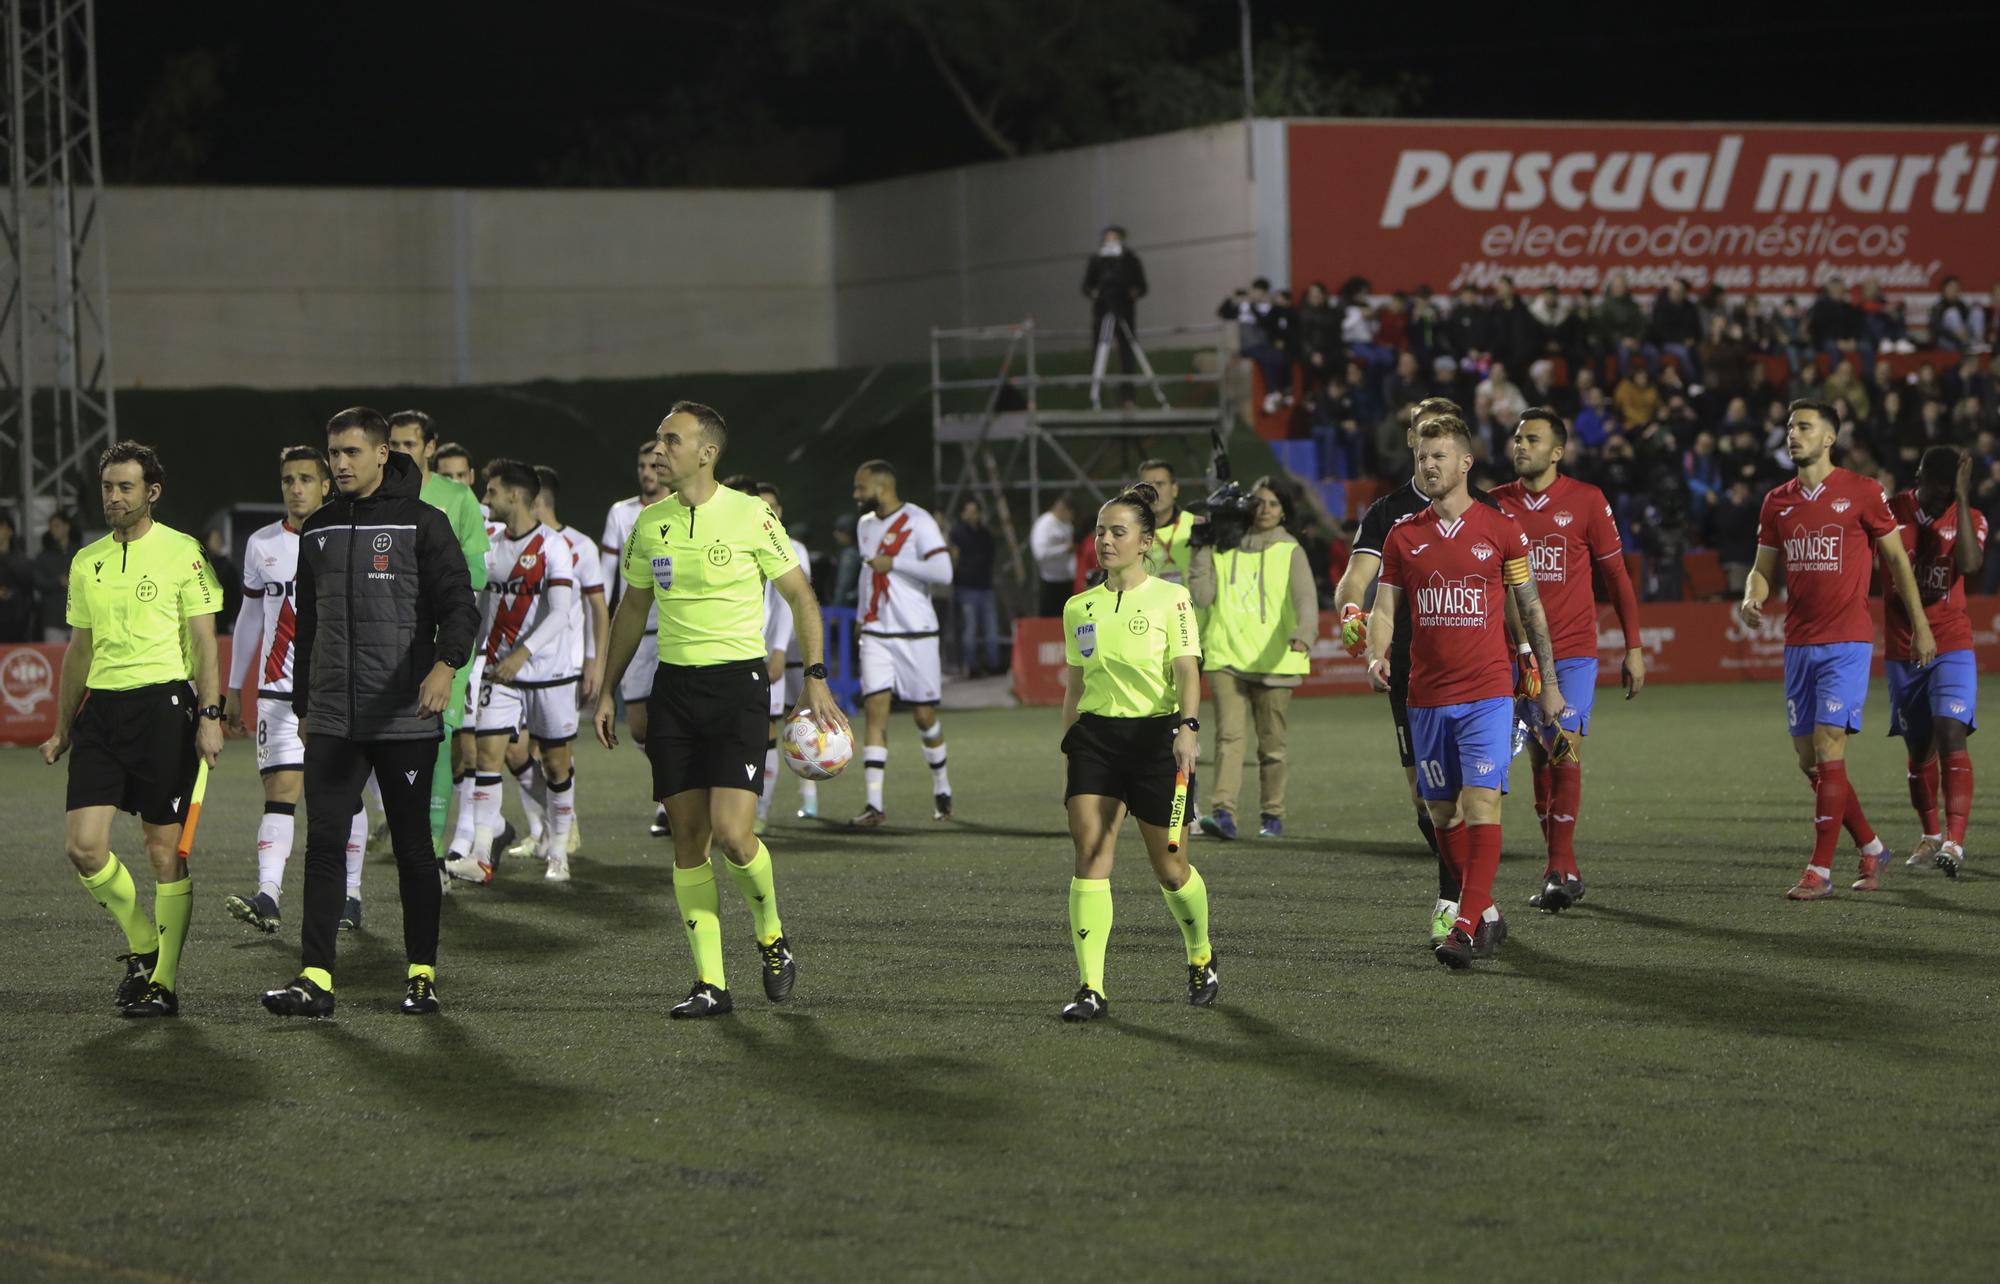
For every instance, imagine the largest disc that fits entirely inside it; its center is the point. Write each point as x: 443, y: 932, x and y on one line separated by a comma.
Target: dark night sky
x: 499, y: 95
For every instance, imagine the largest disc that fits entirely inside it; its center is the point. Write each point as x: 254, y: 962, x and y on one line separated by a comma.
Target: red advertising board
x: 1759, y: 208
x: 29, y: 675
x: 1683, y: 641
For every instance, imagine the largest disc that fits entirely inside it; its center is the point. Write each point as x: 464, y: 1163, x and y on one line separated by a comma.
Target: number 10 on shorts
x: 1433, y: 772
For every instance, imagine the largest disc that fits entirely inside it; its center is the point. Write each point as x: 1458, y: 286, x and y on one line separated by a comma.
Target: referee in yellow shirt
x: 704, y: 552
x: 142, y: 604
x: 1128, y: 727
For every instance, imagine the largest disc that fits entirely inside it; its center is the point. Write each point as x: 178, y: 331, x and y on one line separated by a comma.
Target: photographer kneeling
x: 1257, y: 639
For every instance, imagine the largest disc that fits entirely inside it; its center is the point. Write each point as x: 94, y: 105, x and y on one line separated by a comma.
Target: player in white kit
x: 903, y: 555
x: 636, y: 683
x: 779, y: 649
x: 263, y: 636
x: 531, y: 668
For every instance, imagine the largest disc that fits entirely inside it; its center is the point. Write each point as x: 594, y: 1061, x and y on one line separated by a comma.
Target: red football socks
x: 1857, y: 824
x: 1830, y: 794
x: 1924, y: 792
x: 1566, y: 787
x: 1957, y: 794
x: 1481, y: 845
x: 1545, y: 800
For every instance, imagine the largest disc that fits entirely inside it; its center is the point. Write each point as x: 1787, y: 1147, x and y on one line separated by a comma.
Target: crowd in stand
x: 1677, y: 404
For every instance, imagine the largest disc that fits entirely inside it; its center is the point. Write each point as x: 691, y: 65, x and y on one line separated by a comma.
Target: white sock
x: 357, y: 849
x: 461, y: 834
x: 1874, y: 847
x: 274, y: 845
x: 1445, y: 907
x: 934, y: 757
x: 529, y: 778
x: 562, y: 814
x: 874, y: 763
x: 485, y: 814
x: 770, y: 781
x: 809, y: 794
x: 373, y: 792
x: 1491, y: 914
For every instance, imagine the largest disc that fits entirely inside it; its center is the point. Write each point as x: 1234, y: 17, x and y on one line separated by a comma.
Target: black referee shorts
x: 1399, y: 709
x: 1130, y: 759
x: 707, y: 726
x: 134, y: 750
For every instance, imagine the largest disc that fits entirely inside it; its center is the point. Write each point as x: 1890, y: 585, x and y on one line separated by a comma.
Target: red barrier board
x: 30, y: 675
x: 1760, y: 208
x: 1683, y: 642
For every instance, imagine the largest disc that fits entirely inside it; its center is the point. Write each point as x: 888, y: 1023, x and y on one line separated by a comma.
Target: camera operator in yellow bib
x: 1262, y: 614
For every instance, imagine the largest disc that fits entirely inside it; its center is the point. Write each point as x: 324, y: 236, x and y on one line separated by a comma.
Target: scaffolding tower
x: 1032, y: 432
x: 56, y: 408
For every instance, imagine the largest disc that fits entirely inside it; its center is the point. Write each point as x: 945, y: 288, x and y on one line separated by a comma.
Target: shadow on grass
x: 1259, y: 1045
x: 173, y: 1070
x: 1775, y: 1003
x: 475, y: 929
x: 925, y: 1097
x: 1832, y: 947
x: 429, y: 1059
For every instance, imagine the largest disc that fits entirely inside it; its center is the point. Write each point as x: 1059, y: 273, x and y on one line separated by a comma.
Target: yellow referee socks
x: 1090, y: 928
x: 701, y: 914
x: 1190, y: 910
x: 173, y: 905
x: 112, y: 888
x: 759, y: 893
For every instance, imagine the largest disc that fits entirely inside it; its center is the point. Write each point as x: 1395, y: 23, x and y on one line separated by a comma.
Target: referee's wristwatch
x: 209, y: 711
x: 1192, y: 724
x: 816, y: 671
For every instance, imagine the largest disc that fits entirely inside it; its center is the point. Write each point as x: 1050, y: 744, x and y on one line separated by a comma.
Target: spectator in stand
x: 1336, y: 430
x: 1760, y: 325
x: 1318, y: 335
x: 1406, y: 384
x: 1703, y: 468
x: 1358, y: 327
x: 1052, y: 543
x: 1808, y: 384
x: 1551, y: 313
x: 1593, y: 422
x: 1114, y: 281
x: 1792, y: 337
x: 1844, y: 388
x: 1680, y: 421
x: 1368, y: 405
x: 59, y: 546
x: 1507, y: 401
x: 1637, y: 398
x: 1617, y: 474
x: 1927, y: 383
x: 1471, y: 336
x: 1732, y: 531
x: 1968, y: 380
x: 1860, y: 458
x: 1735, y: 418
x: 1987, y: 331
x: 1883, y: 327
x: 1513, y: 333
x: 972, y: 555
x: 846, y: 564
x: 1834, y: 324
x: 17, y: 587
x: 1579, y: 337
x: 1930, y: 427
x: 1880, y: 380
x: 1966, y: 416
x: 1725, y: 360
x: 1541, y: 389
x: 1762, y: 391
x: 1661, y: 527
x: 1883, y: 430
x: 1430, y: 337
x: 1257, y: 342
x: 1952, y: 325
x: 1744, y: 460
x: 1392, y: 323
x: 1675, y: 326
x: 1620, y: 324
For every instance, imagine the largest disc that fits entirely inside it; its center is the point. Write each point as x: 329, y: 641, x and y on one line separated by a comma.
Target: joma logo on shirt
x: 1814, y: 550
x: 1546, y: 559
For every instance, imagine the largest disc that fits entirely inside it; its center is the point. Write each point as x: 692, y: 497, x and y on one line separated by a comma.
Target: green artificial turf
x: 1685, y: 1077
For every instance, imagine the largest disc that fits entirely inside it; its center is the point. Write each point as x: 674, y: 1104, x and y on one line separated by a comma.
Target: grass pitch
x: 1686, y: 1077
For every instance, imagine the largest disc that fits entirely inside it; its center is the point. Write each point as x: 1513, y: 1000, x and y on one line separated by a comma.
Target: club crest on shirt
x: 1086, y: 639
x: 1841, y: 505
x: 1564, y: 518
x: 528, y: 561
x: 1483, y: 551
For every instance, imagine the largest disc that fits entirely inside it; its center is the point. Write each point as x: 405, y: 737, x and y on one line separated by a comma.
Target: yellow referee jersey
x: 136, y: 598
x: 1126, y: 644
x: 706, y: 566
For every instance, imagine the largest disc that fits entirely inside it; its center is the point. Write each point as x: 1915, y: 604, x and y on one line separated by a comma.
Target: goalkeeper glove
x: 1562, y: 746
x: 1354, y: 630
x: 1527, y: 675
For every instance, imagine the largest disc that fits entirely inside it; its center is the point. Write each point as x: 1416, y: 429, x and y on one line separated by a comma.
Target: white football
x: 815, y: 752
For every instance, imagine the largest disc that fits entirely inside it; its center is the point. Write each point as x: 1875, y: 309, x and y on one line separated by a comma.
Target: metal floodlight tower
x: 55, y: 337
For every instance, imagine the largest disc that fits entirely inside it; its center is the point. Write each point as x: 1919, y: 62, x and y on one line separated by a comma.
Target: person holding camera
x: 1256, y: 648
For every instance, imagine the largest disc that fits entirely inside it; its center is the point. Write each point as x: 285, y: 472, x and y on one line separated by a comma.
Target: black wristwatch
x: 1192, y: 724
x: 816, y: 671
x: 210, y: 711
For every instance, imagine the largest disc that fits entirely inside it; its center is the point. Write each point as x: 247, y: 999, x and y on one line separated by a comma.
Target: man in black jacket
x: 385, y: 618
x: 1114, y: 281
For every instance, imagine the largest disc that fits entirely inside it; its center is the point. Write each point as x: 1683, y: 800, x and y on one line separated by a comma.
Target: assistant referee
x: 1128, y: 726
x: 142, y: 604
x: 705, y: 553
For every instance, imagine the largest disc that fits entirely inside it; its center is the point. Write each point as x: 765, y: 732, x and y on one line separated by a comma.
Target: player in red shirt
x: 1934, y: 708
x: 1458, y: 561
x: 1571, y: 538
x: 1826, y: 523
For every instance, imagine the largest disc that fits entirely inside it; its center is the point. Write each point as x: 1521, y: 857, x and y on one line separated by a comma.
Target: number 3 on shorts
x: 1433, y: 772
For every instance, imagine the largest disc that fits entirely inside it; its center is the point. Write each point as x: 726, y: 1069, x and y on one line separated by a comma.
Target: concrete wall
x: 300, y: 287
x: 999, y: 242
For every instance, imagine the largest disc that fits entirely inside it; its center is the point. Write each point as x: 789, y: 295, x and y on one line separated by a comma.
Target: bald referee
x: 142, y: 604
x: 704, y: 554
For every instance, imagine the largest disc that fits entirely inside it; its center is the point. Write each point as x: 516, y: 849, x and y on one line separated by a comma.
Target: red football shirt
x: 1453, y: 576
x: 1933, y: 548
x: 1570, y: 529
x: 1827, y: 538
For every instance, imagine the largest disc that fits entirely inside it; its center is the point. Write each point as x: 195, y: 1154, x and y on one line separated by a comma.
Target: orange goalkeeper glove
x: 1527, y: 675
x: 1354, y: 630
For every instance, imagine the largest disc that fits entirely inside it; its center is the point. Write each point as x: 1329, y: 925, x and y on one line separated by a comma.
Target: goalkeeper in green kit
x: 410, y: 432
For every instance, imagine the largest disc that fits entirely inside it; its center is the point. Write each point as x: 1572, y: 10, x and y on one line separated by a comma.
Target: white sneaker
x: 558, y: 870
x: 1926, y: 851
x: 524, y: 847
x: 543, y: 842
x: 468, y: 870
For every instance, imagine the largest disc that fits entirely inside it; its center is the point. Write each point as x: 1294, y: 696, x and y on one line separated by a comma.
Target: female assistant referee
x: 1128, y: 726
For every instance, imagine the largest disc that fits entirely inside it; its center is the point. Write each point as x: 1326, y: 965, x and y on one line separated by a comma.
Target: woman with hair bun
x: 1129, y: 726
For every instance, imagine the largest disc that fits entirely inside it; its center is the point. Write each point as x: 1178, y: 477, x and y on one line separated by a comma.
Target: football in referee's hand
x: 815, y: 752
